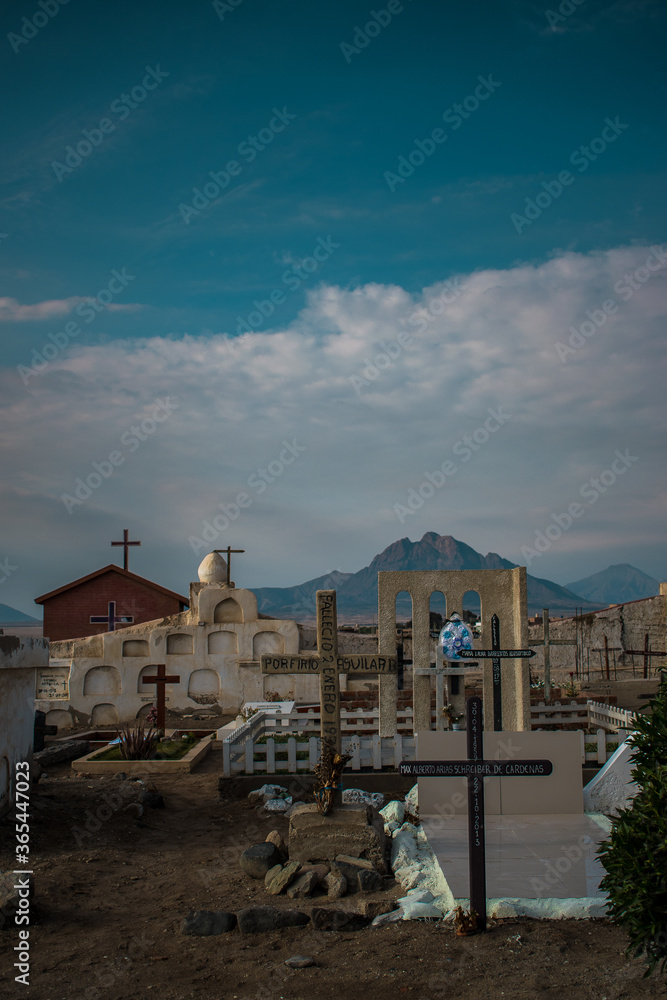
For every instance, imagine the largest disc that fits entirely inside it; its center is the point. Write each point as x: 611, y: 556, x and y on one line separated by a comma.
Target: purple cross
x: 111, y: 619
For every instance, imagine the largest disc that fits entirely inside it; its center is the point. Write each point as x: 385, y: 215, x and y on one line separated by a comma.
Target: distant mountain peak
x: 616, y: 584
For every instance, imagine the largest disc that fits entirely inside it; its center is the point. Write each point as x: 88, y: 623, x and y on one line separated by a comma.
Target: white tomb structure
x: 214, y: 647
x: 20, y: 659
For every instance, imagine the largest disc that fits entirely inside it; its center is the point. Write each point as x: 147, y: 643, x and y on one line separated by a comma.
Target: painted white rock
x: 393, y: 812
x: 412, y: 801
x: 212, y: 569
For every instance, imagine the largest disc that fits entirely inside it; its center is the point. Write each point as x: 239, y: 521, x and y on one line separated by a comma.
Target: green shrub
x: 635, y: 856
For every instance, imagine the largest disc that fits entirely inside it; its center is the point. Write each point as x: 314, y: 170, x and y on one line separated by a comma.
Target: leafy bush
x: 635, y: 856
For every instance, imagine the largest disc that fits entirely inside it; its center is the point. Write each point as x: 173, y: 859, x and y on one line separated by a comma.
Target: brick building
x: 108, y: 592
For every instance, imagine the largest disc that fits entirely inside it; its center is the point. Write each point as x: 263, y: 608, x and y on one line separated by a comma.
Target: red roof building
x: 108, y: 599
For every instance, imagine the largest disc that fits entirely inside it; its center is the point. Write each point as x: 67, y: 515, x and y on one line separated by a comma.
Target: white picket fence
x: 252, y: 749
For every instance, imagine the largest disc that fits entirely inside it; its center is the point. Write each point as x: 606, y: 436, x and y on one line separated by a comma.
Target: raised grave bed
x: 189, y: 760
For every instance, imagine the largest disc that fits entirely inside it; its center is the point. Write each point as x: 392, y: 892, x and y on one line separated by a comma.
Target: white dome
x: 213, y: 569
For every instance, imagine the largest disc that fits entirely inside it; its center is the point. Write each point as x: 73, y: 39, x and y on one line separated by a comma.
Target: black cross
x: 125, y: 543
x: 111, y: 619
x: 475, y: 769
x: 495, y: 654
x: 229, y: 551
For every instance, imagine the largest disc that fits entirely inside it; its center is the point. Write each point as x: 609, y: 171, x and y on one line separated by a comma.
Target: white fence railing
x: 253, y: 749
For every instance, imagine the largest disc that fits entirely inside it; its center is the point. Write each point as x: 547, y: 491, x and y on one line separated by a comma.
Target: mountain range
x: 357, y: 592
x: 622, y: 582
x: 11, y: 616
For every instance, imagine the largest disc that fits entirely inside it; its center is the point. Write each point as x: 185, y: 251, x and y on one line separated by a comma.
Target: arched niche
x: 204, y: 685
x: 180, y: 644
x: 104, y: 715
x: 148, y: 671
x: 264, y: 643
x: 223, y: 642
x: 58, y: 717
x: 102, y: 680
x: 228, y: 610
x: 135, y: 647
x: 143, y: 712
x: 437, y: 610
x: 471, y: 610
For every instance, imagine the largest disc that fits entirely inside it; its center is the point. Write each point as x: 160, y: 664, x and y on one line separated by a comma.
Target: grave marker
x: 475, y: 769
x: 161, y: 680
x: 547, y: 643
x: 228, y: 552
x: 329, y: 665
x: 495, y: 654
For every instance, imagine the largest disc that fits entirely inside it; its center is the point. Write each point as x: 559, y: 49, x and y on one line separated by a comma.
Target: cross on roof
x: 126, y: 543
x: 229, y: 550
x: 161, y: 680
x: 547, y: 643
x: 475, y: 769
x: 111, y: 618
x: 329, y: 665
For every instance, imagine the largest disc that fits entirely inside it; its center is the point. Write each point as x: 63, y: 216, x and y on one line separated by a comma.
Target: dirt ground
x: 109, y: 901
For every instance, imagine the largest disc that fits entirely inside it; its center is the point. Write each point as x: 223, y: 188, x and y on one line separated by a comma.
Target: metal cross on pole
x: 126, y: 543
x: 111, y: 618
x: 475, y: 769
x: 161, y: 680
x: 607, y: 649
x: 547, y: 643
x: 228, y: 551
x: 329, y: 665
x: 495, y: 654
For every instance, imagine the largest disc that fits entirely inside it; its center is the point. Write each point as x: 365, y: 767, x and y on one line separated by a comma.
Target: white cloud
x: 491, y: 343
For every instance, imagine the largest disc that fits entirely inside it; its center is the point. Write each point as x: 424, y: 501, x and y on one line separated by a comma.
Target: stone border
x: 86, y: 765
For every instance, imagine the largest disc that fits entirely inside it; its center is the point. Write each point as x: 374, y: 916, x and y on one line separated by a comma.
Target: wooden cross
x: 228, y: 552
x: 160, y: 680
x: 111, y: 618
x: 547, y: 643
x: 329, y: 665
x: 607, y: 650
x: 126, y: 543
x: 475, y: 769
x: 495, y: 654
x: 647, y: 653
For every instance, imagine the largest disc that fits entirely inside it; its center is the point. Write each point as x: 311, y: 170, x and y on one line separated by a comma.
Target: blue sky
x: 468, y: 279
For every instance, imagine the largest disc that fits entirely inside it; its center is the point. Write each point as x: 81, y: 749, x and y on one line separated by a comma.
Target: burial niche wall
x: 104, y: 715
x: 135, y: 647
x: 102, y: 680
x: 204, y: 686
x: 223, y: 642
x: 266, y: 643
x: 228, y: 610
x: 180, y: 644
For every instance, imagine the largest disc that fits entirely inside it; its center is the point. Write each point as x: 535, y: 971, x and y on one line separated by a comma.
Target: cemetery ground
x: 109, y: 902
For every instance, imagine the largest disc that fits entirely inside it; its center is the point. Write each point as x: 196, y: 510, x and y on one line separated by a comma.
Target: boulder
x: 265, y: 793
x: 357, y: 796
x: 275, y: 837
x: 355, y: 830
x: 278, y: 878
x: 303, y: 886
x: 336, y: 885
x: 393, y: 812
x: 205, y: 923
x: 360, y: 877
x: 259, y: 919
x: 257, y: 860
x: 299, y: 961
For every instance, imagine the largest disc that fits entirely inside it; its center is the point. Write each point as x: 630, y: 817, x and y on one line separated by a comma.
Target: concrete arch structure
x: 502, y: 592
